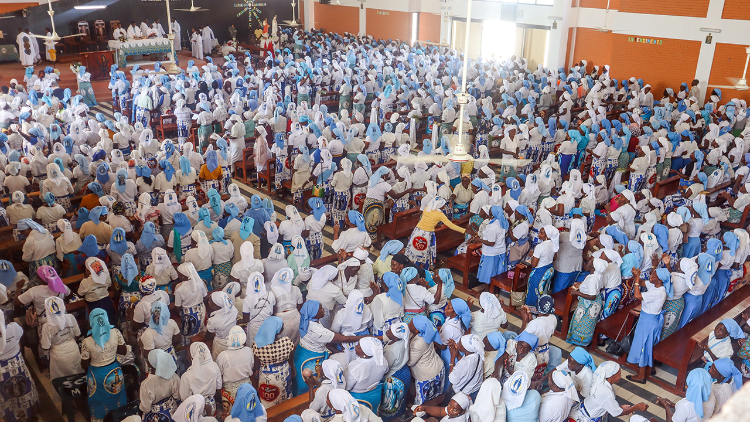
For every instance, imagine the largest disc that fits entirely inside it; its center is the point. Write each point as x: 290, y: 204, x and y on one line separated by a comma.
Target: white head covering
x: 204, y: 248
x: 322, y: 276
x: 144, y: 205
x: 514, y: 390
x: 195, y: 283
x: 488, y: 399
x: 203, y: 365
x: 490, y: 305
x: 354, y: 311
x: 563, y: 380
x: 99, y: 271
x: 160, y: 259
x: 193, y: 208
x: 272, y: 232
x: 373, y: 348
x: 473, y: 344
x: 191, y: 409
x: 292, y: 214
x: 70, y: 240
x: 256, y: 288
x: 55, y: 312
x: 333, y: 370
x: 247, y: 252
x: 577, y: 233
x: 553, y: 235
x: 603, y: 371
x: 342, y: 401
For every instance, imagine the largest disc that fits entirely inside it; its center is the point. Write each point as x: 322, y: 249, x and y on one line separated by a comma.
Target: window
x: 498, y: 38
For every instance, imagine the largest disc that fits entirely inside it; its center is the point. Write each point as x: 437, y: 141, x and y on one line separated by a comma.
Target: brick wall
x: 729, y: 62
x: 429, y: 27
x: 599, y: 4
x: 693, y: 8
x: 334, y: 18
x: 593, y: 46
x: 661, y: 66
x: 394, y: 25
x: 736, y: 9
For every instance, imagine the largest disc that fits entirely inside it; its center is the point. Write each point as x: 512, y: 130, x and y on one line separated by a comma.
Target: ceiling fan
x: 604, y: 28
x: 7, y: 17
x: 193, y: 8
x: 741, y: 84
x: 54, y: 36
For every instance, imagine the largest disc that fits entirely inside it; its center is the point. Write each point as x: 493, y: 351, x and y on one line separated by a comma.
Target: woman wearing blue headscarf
x: 719, y: 344
x: 697, y: 287
x: 211, y: 173
x: 494, y: 252
x: 117, y: 247
x: 698, y: 403
x: 716, y: 290
x: 387, y: 307
x: 158, y: 390
x: 311, y: 350
x: 648, y: 329
x: 147, y: 242
x: 373, y: 207
x: 99, y: 358
x: 544, y: 253
x: 187, y: 179
x: 247, y: 406
x: 426, y: 367
x: 224, y: 157
x: 272, y: 350
x: 728, y: 377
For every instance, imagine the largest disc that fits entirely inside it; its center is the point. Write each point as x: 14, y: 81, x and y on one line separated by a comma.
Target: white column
x: 706, y: 55
x: 363, y: 19
x: 309, y: 13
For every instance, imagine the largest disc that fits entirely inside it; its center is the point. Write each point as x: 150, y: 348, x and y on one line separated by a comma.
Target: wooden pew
x: 403, y: 224
x: 564, y: 304
x: 288, y: 407
x: 511, y: 281
x: 447, y: 238
x: 738, y: 225
x: 466, y: 263
x: 245, y: 166
x: 612, y: 327
x: 666, y: 187
x: 269, y: 175
x: 681, y: 348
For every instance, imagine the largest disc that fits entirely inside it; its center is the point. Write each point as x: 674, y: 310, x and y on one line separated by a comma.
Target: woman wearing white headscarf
x: 59, y: 185
x: 24, y: 401
x: 542, y: 218
x: 160, y: 391
x: 489, y: 405
x: 602, y: 399
x: 348, y: 407
x: 489, y: 318
x: 586, y: 315
x: 521, y: 403
x: 189, y: 296
x: 354, y: 319
x: 397, y: 380
x: 201, y: 256
x: 291, y: 227
x: 236, y: 365
x: 223, y: 317
x: 364, y: 374
x: 258, y: 304
x: 288, y: 302
x: 457, y: 409
x: 569, y: 262
x: 541, y: 261
x: 321, y: 289
x: 341, y: 183
x: 193, y: 408
x: 329, y: 377
x: 58, y: 336
x: 66, y: 245
x: 557, y: 402
x: 203, y: 377
x: 467, y: 373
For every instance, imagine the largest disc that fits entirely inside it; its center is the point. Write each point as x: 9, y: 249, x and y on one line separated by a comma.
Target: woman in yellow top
x: 211, y: 173
x: 421, y: 247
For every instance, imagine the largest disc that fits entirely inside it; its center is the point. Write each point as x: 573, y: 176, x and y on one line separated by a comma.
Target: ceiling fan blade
x: 74, y: 35
x: 7, y: 17
x: 183, y: 10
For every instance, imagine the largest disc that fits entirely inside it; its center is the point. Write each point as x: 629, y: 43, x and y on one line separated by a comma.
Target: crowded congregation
x: 337, y: 227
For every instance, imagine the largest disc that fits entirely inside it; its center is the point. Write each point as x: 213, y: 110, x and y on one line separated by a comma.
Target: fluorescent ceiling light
x: 90, y: 7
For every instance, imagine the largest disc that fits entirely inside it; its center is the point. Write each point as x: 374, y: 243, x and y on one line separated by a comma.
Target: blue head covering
x: 212, y: 160
x: 214, y: 200
x: 362, y: 158
x: 732, y: 242
x: 706, y: 267
x: 89, y: 247
x: 637, y: 249
x: 583, y: 357
x: 702, y: 209
x: 185, y: 165
x: 448, y: 284
x: 222, y: 144
x: 733, y: 328
x: 714, y: 247
x: 128, y: 269
x: 514, y: 186
x: 684, y: 213
x: 317, y: 206
x: 181, y: 223
x: 96, y: 188
x: 392, y: 247
x: 49, y: 198
x: 529, y: 339
x: 96, y: 213
x: 121, y: 173
x: 148, y: 235
x: 698, y: 389
x: 462, y: 311
x: 246, y: 406
x: 726, y: 367
x: 163, y: 362
x: 662, y: 235
x: 617, y: 234
x: 7, y: 273
x: 426, y: 329
x: 308, y: 313
x: 629, y: 261
x: 102, y: 173
x: 480, y: 184
x: 396, y: 287
x: 117, y: 242
x: 168, y: 148
x: 167, y: 169
x: 205, y: 216
x: 83, y: 216
x: 524, y: 211
x: 100, y: 327
x: 218, y: 235
x: 356, y: 218
x: 163, y: 316
x: 408, y: 274
x: 255, y: 202
x: 666, y: 279
x: 497, y: 341
x: 499, y: 215
x: 377, y: 175
x: 247, y: 227
x: 268, y: 330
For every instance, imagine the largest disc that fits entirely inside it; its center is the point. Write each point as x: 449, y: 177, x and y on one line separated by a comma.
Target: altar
x: 139, y: 47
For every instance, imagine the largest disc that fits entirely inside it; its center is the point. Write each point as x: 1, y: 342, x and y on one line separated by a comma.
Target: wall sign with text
x: 645, y: 40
